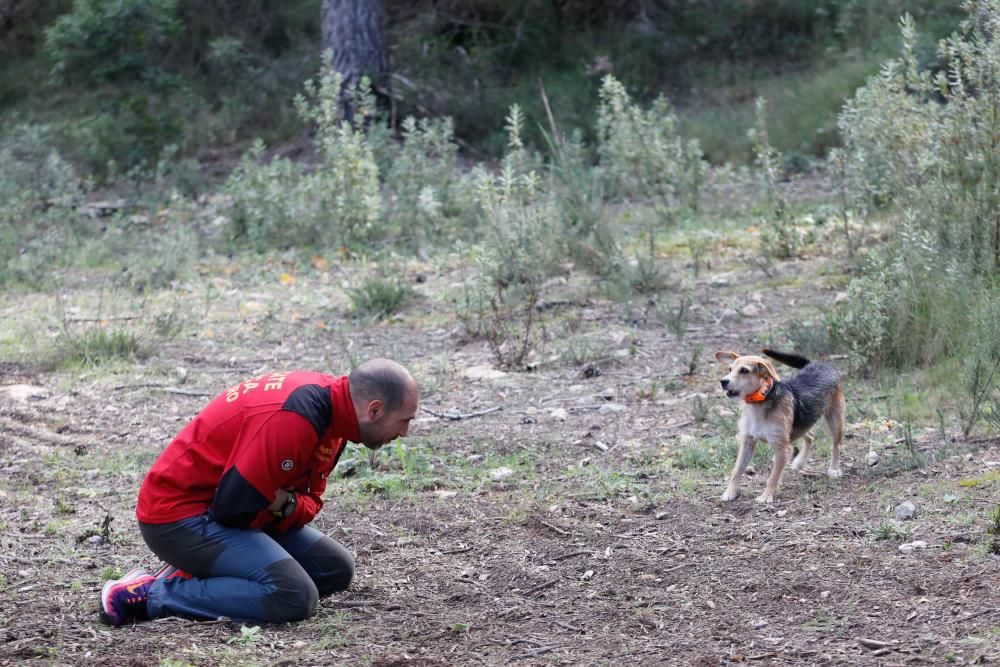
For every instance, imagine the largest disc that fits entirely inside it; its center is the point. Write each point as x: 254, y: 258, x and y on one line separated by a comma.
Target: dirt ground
x: 579, y: 523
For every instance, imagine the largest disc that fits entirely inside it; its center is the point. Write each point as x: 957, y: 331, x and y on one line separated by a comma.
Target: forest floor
x: 569, y: 515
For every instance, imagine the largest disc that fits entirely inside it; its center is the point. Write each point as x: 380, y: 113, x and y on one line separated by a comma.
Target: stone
x: 906, y: 511
x: 483, y: 373
x: 559, y: 414
x: 871, y: 458
x: 610, y: 408
x: 750, y: 310
x: 25, y: 392
x: 501, y: 473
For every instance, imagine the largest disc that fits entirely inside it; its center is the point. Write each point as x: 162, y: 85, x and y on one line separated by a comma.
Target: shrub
x: 39, y: 191
x: 336, y: 203
x: 423, y: 182
x: 96, y: 346
x: 641, y: 153
x: 927, y: 141
x: 268, y: 203
x: 579, y: 200
x: 103, y: 41
x: 517, y: 256
x: 380, y: 296
x: 779, y: 236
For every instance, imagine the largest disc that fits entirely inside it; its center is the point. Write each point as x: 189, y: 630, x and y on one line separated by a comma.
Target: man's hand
x: 280, y: 496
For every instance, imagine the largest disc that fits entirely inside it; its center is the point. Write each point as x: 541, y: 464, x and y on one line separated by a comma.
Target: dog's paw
x: 765, y: 497
x: 834, y: 473
x: 730, y: 495
x: 797, y: 465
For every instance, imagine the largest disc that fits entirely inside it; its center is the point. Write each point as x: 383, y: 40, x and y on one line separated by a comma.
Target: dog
x: 782, y: 412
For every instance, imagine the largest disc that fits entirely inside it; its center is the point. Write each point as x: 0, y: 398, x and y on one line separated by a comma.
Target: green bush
x: 779, y: 237
x: 424, y: 188
x: 380, y: 296
x: 39, y: 192
x: 97, y: 346
x: 642, y: 155
x: 519, y: 252
x: 578, y: 190
x: 337, y: 202
x: 347, y: 178
x: 927, y: 141
x: 101, y: 40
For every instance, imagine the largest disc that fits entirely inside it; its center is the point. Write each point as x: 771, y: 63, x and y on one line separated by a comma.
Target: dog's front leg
x: 780, y: 448
x: 747, y: 444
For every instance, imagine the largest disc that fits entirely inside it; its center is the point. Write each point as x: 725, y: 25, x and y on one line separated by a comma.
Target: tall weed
x: 517, y: 256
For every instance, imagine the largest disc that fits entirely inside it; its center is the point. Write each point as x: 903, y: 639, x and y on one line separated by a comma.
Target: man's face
x: 379, y: 427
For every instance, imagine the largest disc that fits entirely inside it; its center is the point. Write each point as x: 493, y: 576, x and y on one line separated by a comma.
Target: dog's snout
x: 724, y: 382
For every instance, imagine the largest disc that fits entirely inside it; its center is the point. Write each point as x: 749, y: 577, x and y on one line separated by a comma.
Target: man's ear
x: 766, y: 368
x: 375, y: 410
x: 726, y: 357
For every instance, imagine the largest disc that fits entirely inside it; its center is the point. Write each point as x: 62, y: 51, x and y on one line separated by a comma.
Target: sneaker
x: 168, y: 571
x: 124, y: 600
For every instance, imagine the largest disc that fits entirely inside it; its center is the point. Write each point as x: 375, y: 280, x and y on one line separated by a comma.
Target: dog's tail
x: 793, y: 360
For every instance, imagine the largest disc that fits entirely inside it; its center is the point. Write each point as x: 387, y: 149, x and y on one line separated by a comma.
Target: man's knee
x: 295, y: 596
x: 337, y: 570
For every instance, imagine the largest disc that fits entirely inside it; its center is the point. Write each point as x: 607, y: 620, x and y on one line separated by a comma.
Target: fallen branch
x: 555, y: 528
x: 182, y: 392
x: 979, y: 613
x: 455, y: 416
x: 455, y: 551
x: 352, y: 604
x: 539, y: 587
x: 533, y: 652
x: 103, y: 319
x: 874, y: 643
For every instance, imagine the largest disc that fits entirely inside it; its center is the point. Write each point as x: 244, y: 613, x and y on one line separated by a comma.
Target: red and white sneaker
x: 124, y: 600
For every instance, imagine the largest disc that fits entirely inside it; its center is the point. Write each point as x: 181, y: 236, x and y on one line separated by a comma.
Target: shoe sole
x: 106, y: 617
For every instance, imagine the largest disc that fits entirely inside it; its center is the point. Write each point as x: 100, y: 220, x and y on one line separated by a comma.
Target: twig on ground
x: 183, y: 392
x: 555, y: 528
x: 568, y: 626
x: 354, y: 604
x: 455, y: 416
x: 472, y: 582
x: 142, y: 385
x: 874, y: 643
x: 533, y: 652
x: 573, y: 554
x: 456, y: 551
x: 541, y: 586
x: 979, y: 613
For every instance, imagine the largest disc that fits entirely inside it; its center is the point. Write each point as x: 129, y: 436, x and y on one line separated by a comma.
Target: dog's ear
x: 726, y: 358
x: 764, y: 367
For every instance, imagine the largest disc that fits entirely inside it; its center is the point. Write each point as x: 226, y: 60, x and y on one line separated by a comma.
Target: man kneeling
x: 226, y: 504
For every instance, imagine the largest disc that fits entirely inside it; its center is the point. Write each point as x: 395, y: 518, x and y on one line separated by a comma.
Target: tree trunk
x: 352, y: 30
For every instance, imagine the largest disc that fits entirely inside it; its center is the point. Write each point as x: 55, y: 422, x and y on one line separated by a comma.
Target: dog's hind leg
x: 802, y: 458
x: 781, y: 451
x: 747, y: 444
x: 834, y: 416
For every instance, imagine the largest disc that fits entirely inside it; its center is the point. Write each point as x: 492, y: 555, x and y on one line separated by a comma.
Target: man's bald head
x: 381, y: 380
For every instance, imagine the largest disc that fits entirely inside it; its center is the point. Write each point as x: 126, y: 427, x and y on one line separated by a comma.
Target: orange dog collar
x: 761, y: 394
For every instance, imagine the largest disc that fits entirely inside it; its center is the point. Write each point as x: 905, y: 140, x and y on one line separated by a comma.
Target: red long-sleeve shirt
x: 281, y: 430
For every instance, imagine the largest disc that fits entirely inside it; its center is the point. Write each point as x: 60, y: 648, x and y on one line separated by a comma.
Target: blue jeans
x: 244, y: 574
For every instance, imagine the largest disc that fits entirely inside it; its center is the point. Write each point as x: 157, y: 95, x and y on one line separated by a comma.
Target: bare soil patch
x: 575, y: 525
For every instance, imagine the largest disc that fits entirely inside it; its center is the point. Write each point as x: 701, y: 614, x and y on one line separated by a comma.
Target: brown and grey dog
x: 781, y: 412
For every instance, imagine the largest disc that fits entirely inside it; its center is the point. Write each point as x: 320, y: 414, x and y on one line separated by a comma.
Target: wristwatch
x: 288, y: 509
